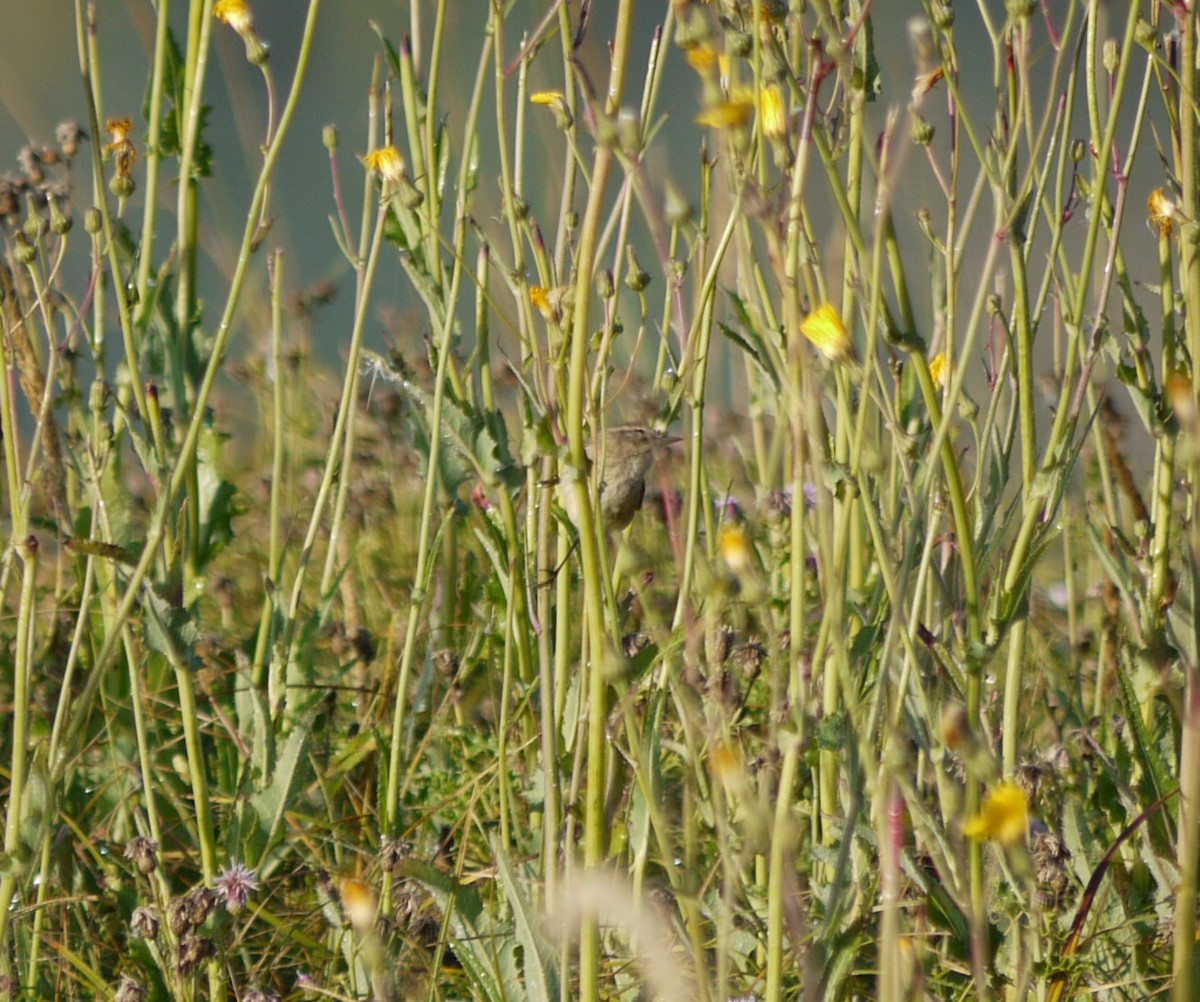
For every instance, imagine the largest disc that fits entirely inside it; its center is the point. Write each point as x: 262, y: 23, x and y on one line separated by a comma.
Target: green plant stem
x: 85, y: 31
x: 1164, y: 474
x: 153, y: 158
x: 278, y: 461
x: 593, y: 576
x: 780, y: 869
x: 1183, y: 961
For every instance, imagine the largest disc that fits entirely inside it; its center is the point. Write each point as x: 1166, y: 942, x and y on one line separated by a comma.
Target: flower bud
x: 636, y: 278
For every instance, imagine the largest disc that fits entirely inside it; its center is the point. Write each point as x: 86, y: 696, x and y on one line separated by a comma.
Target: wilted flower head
x: 143, y: 923
x: 143, y: 852
x: 1162, y: 212
x: 69, y: 134
x: 129, y: 990
x: 124, y: 155
x: 194, y: 951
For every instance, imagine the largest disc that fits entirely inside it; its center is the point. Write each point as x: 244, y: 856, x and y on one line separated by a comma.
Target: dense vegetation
x: 889, y: 690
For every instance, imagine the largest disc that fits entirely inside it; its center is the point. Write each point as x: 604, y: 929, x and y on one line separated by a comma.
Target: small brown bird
x: 629, y: 452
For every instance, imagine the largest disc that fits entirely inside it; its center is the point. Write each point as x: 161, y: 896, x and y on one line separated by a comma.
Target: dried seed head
x: 144, y: 923
x: 129, y: 990
x: 69, y: 134
x: 143, y: 852
x: 392, y: 853
x: 194, y: 951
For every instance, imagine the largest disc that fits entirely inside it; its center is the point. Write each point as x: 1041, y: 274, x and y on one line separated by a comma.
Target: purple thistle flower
x: 234, y: 885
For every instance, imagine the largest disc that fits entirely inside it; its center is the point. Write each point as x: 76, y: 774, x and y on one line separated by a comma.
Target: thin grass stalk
x: 593, y: 574
x: 16, y: 853
x: 191, y: 110
x: 699, y: 340
x: 18, y: 502
x: 279, y: 453
x: 1162, y: 585
x: 153, y: 157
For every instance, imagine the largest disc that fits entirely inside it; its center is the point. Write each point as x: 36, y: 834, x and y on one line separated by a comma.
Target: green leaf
x: 169, y: 139
x: 541, y: 965
x: 278, y: 794
x: 170, y: 630
x: 217, y: 495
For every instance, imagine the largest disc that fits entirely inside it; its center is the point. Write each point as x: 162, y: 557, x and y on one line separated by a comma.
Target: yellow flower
x: 359, y: 902
x: 825, y: 329
x: 546, y: 97
x: 234, y: 13
x: 387, y: 162
x: 773, y: 110
x: 939, y: 369
x: 729, y: 114
x: 723, y: 64
x: 702, y: 58
x: 1004, y: 817
x: 1162, y: 212
x: 733, y: 544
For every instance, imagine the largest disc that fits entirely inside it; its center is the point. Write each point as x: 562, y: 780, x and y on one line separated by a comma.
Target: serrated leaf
x: 278, y: 791
x: 541, y: 965
x: 170, y: 630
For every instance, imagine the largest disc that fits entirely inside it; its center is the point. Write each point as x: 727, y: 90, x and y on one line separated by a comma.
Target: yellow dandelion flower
x: 939, y: 369
x: 546, y: 97
x: 235, y: 13
x: 731, y: 114
x: 825, y: 329
x: 1162, y: 212
x: 387, y: 162
x: 723, y: 64
x: 733, y: 544
x: 1004, y: 817
x: 702, y: 58
x: 773, y: 109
